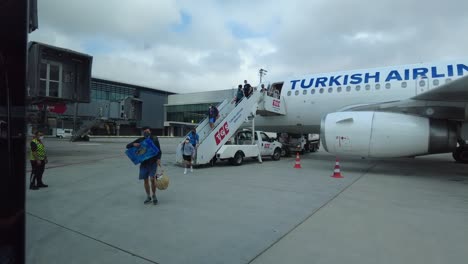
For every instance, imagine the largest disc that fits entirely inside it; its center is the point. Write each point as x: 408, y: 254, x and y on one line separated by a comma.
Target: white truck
x: 242, y: 146
x: 293, y: 143
x: 64, y: 133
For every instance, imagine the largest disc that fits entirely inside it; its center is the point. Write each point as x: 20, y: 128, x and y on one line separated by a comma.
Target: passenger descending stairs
x: 231, y: 118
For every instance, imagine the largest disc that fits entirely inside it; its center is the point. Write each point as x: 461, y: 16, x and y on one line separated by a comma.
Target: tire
x: 212, y: 161
x: 238, y: 158
x: 287, y: 153
x: 276, y: 154
x: 461, y: 155
x: 314, y: 148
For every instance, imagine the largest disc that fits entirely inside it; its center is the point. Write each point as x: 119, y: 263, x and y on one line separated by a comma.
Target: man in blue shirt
x: 194, y: 139
x: 148, y: 167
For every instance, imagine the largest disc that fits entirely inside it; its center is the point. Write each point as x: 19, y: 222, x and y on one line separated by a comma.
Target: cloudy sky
x: 199, y: 45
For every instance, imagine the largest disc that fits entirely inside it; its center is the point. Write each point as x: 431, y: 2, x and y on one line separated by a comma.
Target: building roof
x: 105, y: 80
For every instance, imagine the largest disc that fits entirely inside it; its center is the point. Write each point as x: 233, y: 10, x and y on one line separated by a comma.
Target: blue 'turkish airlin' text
x: 375, y: 77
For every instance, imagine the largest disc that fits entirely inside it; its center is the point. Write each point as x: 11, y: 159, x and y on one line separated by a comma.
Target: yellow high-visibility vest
x: 40, y: 151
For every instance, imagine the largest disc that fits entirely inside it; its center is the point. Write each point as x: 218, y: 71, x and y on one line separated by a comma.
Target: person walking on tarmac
x: 188, y: 152
x: 38, y: 158
x: 148, y: 167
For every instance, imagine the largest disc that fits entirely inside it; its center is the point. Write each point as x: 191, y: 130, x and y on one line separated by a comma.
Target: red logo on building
x: 276, y: 103
x: 58, y: 108
x: 222, y: 133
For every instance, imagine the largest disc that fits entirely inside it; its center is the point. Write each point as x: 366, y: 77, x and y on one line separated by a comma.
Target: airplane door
x: 422, y: 85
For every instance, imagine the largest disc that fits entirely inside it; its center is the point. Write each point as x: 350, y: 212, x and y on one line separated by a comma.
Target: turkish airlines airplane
x: 400, y: 111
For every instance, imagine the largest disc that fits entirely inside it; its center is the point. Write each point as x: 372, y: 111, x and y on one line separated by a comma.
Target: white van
x: 63, y: 133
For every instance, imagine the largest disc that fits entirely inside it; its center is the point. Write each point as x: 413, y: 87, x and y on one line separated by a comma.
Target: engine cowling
x: 386, y: 135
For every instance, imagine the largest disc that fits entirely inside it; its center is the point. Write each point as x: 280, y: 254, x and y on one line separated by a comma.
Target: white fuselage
x: 308, y: 98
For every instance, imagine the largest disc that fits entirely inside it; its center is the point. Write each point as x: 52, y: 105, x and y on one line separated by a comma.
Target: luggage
x: 162, y: 182
x: 145, y: 151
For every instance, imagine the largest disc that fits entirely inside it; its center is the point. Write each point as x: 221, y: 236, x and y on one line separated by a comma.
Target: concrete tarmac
x: 382, y: 211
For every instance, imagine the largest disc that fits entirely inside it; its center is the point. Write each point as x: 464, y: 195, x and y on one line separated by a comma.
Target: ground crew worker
x: 38, y: 158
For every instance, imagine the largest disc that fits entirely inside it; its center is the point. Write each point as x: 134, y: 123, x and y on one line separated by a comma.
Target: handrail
x: 220, y: 107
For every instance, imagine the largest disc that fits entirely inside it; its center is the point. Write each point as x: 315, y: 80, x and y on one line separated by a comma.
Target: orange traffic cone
x: 337, y: 172
x: 298, y: 162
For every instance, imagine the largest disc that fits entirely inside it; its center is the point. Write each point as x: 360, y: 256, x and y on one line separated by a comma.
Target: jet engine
x: 386, y: 135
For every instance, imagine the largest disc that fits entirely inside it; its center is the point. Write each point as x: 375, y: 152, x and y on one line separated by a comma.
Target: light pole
x: 262, y: 72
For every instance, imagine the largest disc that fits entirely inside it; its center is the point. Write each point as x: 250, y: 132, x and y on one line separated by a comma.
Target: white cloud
x: 134, y: 40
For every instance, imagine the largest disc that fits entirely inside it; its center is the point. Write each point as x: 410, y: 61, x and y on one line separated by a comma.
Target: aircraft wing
x: 448, y: 101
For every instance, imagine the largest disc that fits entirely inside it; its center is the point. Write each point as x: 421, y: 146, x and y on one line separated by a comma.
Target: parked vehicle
x: 64, y: 133
x: 242, y: 146
x: 293, y: 143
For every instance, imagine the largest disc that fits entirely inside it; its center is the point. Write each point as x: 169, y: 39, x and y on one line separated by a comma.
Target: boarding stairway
x: 84, y: 129
x: 231, y: 118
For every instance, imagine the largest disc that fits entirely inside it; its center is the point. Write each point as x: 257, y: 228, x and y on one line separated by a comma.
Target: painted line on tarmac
x: 77, y: 163
x: 312, y: 214
x: 95, y: 239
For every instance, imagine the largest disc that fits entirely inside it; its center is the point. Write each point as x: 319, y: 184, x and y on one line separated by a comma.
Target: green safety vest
x: 40, y: 151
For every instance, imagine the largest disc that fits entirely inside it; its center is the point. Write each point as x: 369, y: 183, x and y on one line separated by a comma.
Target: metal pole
x: 253, y: 140
x: 262, y: 72
x: 45, y: 121
x: 253, y: 130
x: 74, y: 117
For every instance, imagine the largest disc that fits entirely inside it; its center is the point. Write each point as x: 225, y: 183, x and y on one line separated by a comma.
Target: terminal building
x: 63, y: 95
x: 184, y: 111
x: 114, y: 108
x: 122, y: 108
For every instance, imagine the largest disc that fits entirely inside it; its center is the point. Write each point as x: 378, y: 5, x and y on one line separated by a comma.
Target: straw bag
x: 162, y: 181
